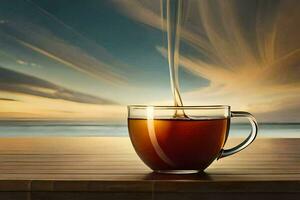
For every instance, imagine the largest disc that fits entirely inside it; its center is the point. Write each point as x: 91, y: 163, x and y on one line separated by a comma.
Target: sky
x: 86, y: 60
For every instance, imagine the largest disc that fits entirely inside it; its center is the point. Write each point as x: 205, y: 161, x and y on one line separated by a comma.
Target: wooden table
x: 108, y: 168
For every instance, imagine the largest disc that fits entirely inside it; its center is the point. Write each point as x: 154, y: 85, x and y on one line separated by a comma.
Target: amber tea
x: 178, y: 144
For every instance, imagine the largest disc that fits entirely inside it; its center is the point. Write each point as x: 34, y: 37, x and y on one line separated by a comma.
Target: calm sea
x: 30, y: 129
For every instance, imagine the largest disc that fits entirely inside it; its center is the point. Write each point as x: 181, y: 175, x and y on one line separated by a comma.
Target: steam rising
x: 173, y: 10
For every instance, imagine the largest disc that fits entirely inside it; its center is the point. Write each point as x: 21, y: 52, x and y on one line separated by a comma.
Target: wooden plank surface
x: 110, y: 165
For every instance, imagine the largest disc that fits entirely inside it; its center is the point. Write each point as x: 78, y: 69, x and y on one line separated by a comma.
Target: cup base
x: 177, y: 171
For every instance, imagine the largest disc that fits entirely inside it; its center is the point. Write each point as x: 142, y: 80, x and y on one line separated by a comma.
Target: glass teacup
x: 187, y: 144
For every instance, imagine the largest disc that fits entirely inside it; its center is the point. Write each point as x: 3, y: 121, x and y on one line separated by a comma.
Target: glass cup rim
x: 178, y: 107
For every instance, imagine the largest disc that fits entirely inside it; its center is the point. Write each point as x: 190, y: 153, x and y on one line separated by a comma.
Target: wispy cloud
x: 2, y: 21
x: 7, y: 99
x: 52, y: 41
x: 15, y: 82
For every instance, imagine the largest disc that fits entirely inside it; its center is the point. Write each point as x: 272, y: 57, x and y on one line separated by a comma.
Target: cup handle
x: 248, y: 140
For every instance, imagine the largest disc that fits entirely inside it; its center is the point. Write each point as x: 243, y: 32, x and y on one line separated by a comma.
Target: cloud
x: 26, y: 63
x: 43, y: 33
x: 15, y: 82
x: 2, y: 21
x: 7, y: 99
x: 21, y: 62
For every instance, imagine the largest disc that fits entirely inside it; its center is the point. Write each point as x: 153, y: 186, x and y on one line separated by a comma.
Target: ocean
x: 46, y: 129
